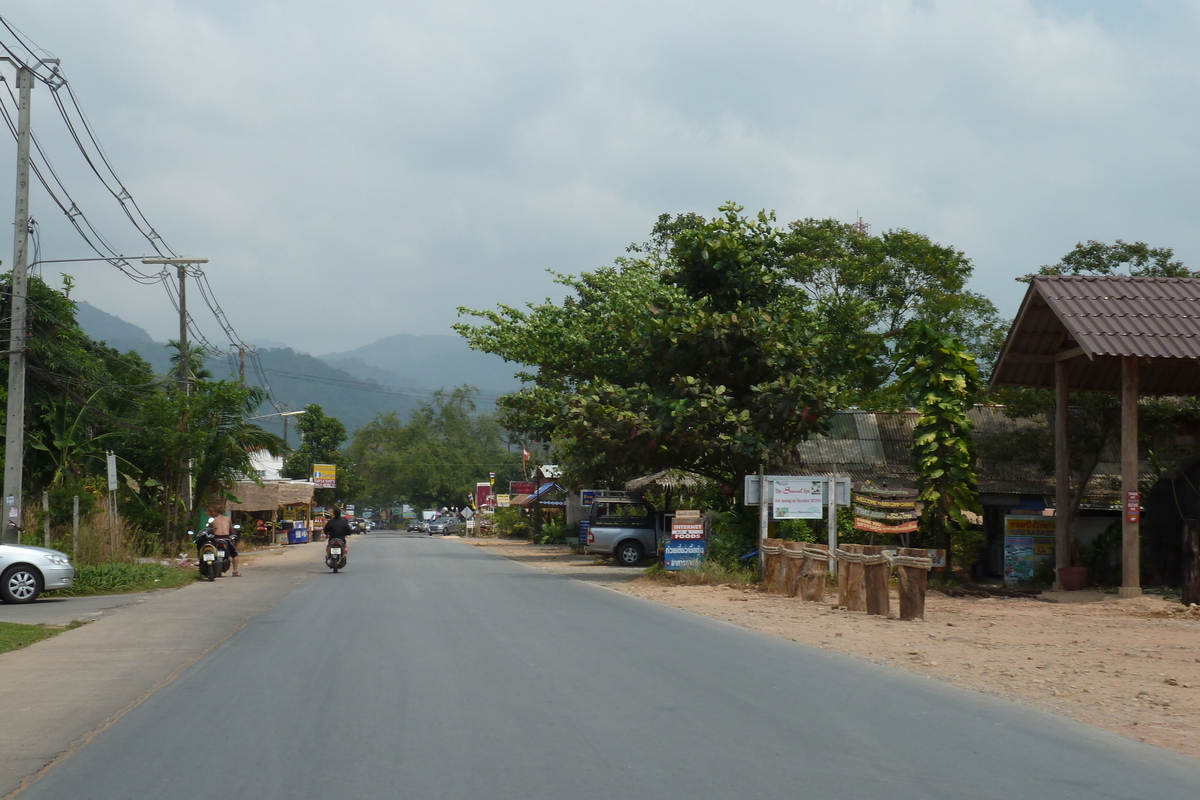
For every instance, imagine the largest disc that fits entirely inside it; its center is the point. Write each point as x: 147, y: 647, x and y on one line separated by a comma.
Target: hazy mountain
x: 393, y: 374
x: 428, y: 362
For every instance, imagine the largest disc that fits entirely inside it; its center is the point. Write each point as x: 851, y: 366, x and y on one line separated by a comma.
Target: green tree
x: 941, y: 379
x: 708, y: 371
x: 321, y: 440
x: 1136, y: 259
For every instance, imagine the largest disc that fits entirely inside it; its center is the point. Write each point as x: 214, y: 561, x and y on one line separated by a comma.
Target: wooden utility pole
x: 14, y: 442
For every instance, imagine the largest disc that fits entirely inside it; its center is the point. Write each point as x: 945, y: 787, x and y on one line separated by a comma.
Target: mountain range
x: 396, y: 373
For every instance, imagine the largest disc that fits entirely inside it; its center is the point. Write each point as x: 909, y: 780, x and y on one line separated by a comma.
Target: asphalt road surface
x: 431, y: 669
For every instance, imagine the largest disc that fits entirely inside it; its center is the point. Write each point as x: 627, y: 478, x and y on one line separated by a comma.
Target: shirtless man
x: 223, y: 529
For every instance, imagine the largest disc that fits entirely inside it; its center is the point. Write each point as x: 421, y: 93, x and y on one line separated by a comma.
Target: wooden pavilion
x: 1128, y: 335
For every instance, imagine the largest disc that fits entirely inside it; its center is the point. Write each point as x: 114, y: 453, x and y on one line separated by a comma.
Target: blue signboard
x: 683, y: 553
x: 584, y: 524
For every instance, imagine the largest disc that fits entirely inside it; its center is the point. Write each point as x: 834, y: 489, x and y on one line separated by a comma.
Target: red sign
x: 687, y: 530
x: 1133, y: 506
x: 522, y: 487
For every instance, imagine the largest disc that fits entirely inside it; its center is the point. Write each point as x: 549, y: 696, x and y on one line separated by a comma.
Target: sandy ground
x: 1129, y: 666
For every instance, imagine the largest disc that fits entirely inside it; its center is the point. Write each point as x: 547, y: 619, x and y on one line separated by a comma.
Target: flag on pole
x: 524, y: 454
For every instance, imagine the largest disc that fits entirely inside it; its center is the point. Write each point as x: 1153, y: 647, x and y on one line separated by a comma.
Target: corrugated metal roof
x: 1094, y: 321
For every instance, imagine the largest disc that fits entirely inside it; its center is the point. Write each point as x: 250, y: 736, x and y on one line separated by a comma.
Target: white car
x: 27, y: 571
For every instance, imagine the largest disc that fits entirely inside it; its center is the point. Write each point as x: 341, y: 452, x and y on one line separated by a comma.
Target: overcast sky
x: 360, y: 168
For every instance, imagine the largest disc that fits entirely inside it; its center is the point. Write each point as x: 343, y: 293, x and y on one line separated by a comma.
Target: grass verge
x: 706, y: 573
x: 14, y: 636
x: 121, y: 578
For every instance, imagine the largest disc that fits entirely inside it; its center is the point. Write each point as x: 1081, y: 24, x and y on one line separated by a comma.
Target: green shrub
x: 552, y: 533
x: 119, y: 578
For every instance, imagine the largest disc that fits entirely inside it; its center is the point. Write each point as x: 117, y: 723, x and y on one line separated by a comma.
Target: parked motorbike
x: 335, y: 554
x: 213, y: 552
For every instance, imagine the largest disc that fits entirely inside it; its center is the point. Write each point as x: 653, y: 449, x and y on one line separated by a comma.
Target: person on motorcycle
x: 337, y: 528
x: 223, y: 529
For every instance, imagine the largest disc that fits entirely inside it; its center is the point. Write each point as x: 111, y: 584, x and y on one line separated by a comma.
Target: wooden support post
x: 772, y: 563
x: 811, y: 581
x: 851, y: 592
x: 1062, y: 470
x: 875, y: 582
x: 912, y: 585
x: 1191, y: 562
x: 793, y: 564
x: 1131, y: 579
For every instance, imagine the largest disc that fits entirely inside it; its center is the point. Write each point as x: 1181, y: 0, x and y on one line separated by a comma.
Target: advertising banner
x: 687, y: 545
x: 875, y: 526
x: 1028, y: 541
x: 325, y: 476
x: 483, y: 495
x: 797, y: 499
x: 522, y: 487
x: 503, y: 500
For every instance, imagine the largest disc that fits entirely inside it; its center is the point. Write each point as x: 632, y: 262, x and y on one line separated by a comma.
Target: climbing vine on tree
x: 941, y: 378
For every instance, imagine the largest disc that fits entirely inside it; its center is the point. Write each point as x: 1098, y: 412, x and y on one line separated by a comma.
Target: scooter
x: 335, y: 554
x: 212, y: 551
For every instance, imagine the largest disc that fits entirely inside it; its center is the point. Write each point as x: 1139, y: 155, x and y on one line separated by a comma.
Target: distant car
x: 447, y: 525
x: 417, y: 526
x: 27, y: 571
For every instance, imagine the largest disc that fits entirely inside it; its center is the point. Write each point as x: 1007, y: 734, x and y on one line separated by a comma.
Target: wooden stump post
x: 1191, y: 561
x: 811, y: 581
x: 771, y: 550
x: 793, y: 565
x: 851, y: 592
x: 875, y: 581
x: 912, y: 583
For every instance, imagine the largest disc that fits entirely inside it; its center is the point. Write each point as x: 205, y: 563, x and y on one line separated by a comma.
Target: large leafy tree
x: 435, y: 458
x: 697, y: 356
x: 865, y: 289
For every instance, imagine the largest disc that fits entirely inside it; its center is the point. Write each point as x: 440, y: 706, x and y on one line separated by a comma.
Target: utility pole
x: 14, y: 442
x: 241, y: 365
x: 181, y: 265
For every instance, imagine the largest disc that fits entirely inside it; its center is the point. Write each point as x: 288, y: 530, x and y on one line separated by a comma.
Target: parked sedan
x: 447, y: 525
x: 26, y: 572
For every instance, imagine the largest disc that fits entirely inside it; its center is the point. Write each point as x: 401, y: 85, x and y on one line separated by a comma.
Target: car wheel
x: 629, y: 553
x: 20, y: 584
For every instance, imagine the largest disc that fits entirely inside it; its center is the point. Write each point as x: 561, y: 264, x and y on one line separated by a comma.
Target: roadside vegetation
x: 14, y: 636
x: 120, y: 578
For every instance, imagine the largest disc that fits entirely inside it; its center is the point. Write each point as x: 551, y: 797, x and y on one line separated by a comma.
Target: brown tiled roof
x: 1093, y: 321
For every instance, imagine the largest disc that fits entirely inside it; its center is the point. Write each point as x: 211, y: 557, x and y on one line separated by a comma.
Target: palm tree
x: 228, y: 439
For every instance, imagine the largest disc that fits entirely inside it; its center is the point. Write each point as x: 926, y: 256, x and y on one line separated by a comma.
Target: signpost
x: 688, y: 543
x: 325, y: 476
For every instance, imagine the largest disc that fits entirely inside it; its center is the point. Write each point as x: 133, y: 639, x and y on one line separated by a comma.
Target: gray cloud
x: 359, y: 169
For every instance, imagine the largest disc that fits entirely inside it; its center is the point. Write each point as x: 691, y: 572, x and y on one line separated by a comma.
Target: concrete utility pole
x: 14, y: 443
x: 181, y: 265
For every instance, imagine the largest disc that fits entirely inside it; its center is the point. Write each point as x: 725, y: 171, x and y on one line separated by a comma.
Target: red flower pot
x: 1072, y: 579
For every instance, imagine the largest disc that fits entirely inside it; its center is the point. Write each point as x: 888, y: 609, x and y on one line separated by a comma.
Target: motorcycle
x: 212, y: 551
x: 335, y: 554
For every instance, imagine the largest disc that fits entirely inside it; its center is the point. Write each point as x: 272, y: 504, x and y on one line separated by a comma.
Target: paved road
x: 431, y: 669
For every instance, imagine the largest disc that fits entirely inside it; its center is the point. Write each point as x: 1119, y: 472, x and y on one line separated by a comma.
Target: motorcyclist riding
x: 337, y: 528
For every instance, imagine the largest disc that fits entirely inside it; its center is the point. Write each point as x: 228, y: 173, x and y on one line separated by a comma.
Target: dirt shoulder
x: 1128, y: 666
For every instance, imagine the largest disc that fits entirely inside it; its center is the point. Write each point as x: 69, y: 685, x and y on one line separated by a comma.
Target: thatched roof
x: 667, y: 479
x: 272, y: 495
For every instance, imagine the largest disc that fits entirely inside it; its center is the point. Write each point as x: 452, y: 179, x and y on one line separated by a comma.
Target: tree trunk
x: 795, y: 561
x: 851, y: 592
x: 811, y: 581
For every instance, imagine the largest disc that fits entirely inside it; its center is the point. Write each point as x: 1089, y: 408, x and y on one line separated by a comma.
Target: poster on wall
x: 1028, y: 541
x: 797, y: 499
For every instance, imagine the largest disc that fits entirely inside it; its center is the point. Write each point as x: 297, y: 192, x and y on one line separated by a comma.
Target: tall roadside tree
x: 696, y: 357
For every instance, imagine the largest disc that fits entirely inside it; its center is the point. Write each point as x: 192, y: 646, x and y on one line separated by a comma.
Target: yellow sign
x: 325, y: 475
x: 503, y: 500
